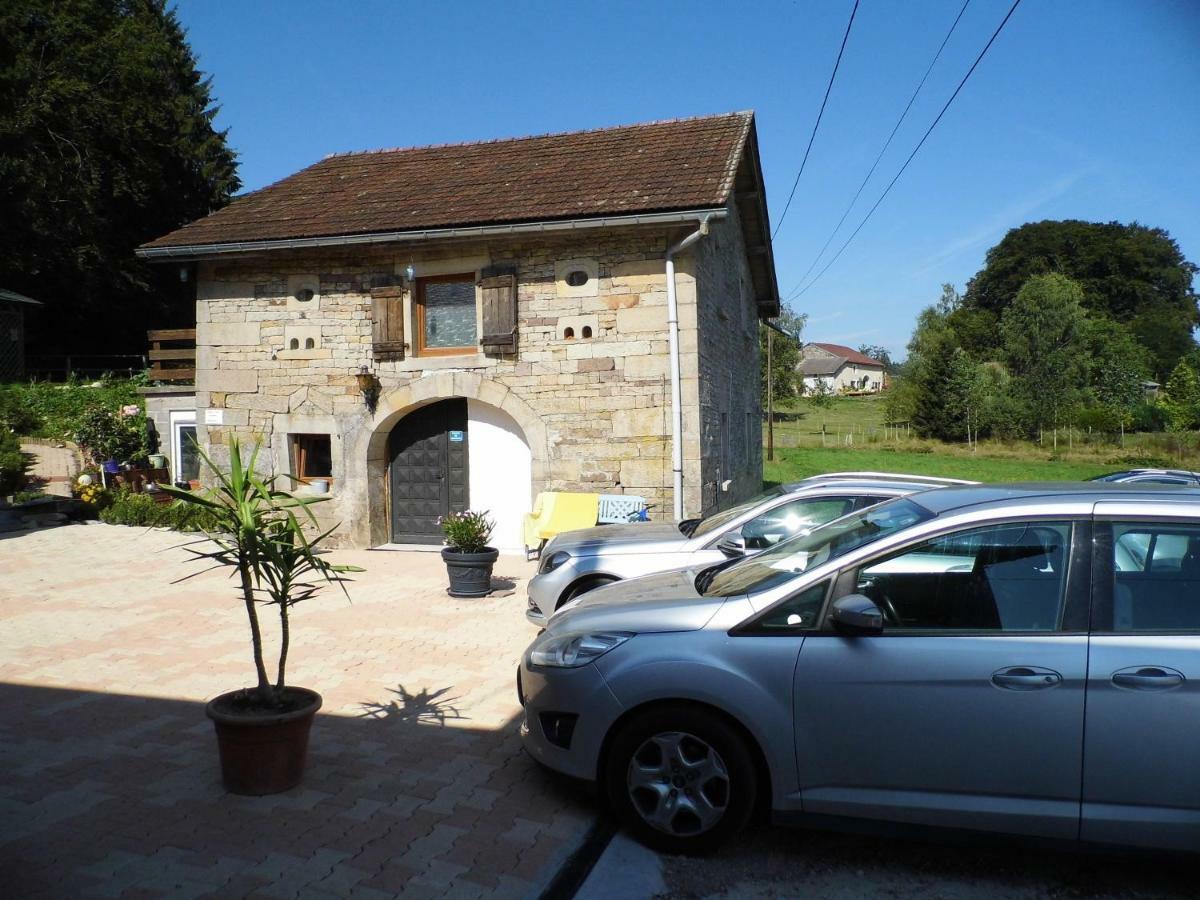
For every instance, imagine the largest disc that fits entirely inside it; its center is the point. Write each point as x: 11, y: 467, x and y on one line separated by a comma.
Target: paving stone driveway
x: 109, y: 783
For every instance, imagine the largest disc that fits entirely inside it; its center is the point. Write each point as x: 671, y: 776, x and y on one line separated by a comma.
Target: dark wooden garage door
x: 428, y: 450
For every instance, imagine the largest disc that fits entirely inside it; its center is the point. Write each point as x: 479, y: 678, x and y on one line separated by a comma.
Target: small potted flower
x: 468, y: 558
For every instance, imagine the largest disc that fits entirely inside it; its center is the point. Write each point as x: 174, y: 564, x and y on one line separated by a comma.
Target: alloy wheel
x: 678, y: 784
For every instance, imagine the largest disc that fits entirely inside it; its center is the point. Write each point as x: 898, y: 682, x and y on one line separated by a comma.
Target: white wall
x: 501, y: 472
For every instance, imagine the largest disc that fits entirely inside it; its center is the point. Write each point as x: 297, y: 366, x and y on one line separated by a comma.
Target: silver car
x: 1018, y: 659
x: 576, y: 562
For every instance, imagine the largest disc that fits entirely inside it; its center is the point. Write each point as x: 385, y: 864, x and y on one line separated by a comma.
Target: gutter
x: 195, y: 251
x: 673, y: 349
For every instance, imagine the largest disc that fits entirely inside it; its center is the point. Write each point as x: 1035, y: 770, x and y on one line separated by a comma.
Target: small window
x: 577, y: 278
x: 312, y: 456
x: 799, y: 612
x: 294, y: 344
x: 568, y: 334
x: 445, y: 313
x: 304, y: 295
x: 309, y: 344
x: 587, y: 331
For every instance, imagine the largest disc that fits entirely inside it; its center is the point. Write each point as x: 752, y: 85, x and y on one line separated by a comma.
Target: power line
x: 817, y: 124
x: 886, y: 143
x: 801, y: 292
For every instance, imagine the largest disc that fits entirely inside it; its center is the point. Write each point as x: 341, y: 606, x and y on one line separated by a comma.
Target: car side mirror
x: 732, y: 545
x: 855, y: 614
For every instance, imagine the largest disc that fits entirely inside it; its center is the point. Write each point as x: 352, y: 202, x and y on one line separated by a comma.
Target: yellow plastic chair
x: 555, y: 512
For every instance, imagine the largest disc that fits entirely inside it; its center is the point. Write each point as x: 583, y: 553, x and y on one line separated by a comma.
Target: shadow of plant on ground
x: 422, y: 708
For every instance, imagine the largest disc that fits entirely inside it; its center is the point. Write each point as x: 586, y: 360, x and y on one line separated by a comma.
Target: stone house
x: 842, y: 369
x: 435, y: 328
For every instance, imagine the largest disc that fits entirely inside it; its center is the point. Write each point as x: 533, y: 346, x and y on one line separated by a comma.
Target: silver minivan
x: 576, y: 562
x: 1019, y: 659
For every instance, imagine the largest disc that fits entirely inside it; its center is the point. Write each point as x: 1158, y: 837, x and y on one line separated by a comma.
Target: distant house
x: 841, y: 369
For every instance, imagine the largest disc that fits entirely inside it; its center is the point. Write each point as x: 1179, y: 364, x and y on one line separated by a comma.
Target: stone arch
x: 373, y: 529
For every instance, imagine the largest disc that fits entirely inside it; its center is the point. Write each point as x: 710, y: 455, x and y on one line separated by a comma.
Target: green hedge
x: 48, y: 410
x: 142, y: 510
x: 13, y: 463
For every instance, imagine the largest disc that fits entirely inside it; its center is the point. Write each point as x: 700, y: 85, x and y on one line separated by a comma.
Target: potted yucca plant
x: 262, y: 731
x: 468, y: 558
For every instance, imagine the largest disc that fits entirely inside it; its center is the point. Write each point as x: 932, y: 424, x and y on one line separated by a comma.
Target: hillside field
x: 856, y: 439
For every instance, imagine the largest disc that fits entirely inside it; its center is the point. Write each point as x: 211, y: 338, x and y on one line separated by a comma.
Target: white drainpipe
x: 673, y: 346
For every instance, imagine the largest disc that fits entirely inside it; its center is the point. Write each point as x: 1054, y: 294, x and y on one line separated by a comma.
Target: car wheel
x: 582, y: 586
x: 682, y: 780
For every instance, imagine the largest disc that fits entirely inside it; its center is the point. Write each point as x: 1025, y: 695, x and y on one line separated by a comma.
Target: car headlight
x: 570, y: 651
x: 553, y: 561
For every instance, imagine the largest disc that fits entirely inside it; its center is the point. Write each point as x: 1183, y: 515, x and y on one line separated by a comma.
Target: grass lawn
x: 855, y: 439
x: 791, y: 464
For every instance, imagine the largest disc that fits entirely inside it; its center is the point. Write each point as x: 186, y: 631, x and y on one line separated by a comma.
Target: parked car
x: 1152, y: 476
x: 1022, y: 659
x: 580, y: 561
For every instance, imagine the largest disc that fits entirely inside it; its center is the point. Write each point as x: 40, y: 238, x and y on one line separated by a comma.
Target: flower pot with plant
x: 258, y: 531
x: 468, y: 558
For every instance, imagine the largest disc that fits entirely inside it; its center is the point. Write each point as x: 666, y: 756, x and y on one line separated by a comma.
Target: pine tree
x: 106, y: 141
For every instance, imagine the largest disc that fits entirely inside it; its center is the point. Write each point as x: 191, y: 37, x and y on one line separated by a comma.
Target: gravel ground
x: 778, y: 862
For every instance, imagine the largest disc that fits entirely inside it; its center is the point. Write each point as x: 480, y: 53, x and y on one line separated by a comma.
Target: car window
x: 1159, y: 479
x: 1009, y: 577
x: 798, y: 612
x: 792, y: 557
x: 720, y: 519
x: 1156, y: 578
x: 788, y: 519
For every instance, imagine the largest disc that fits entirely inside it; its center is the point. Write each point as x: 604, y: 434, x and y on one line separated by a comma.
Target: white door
x: 185, y: 460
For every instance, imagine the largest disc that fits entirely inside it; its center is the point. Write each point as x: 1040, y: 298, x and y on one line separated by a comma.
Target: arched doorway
x: 429, y: 470
x: 457, y: 454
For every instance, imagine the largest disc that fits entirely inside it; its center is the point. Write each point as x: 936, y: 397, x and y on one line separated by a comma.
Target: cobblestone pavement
x: 109, y: 784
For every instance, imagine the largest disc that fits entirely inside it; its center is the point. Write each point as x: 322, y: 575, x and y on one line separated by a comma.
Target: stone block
x: 641, y: 319
x: 640, y: 273
x: 231, y: 381
x: 599, y: 364
x: 228, y: 334
x: 649, y: 366
x: 645, y: 472
x: 639, y: 422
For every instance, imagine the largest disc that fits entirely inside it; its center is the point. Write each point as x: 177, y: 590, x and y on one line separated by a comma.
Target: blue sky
x: 1081, y: 109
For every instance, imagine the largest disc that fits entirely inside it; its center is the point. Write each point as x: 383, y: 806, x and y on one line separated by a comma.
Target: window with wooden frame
x: 312, y: 457
x: 445, y: 315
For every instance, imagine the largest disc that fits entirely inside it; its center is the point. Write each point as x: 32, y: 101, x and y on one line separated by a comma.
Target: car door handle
x: 1147, y: 678
x: 1025, y: 678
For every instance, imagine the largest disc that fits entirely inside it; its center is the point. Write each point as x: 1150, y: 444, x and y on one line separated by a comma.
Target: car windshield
x: 793, y: 557
x: 725, y: 516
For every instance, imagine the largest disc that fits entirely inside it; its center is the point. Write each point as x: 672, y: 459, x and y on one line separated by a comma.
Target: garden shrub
x: 14, y: 465
x: 56, y: 410
x: 141, y: 510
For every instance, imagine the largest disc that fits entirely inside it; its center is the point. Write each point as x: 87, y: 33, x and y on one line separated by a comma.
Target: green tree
x: 785, y: 358
x: 966, y: 394
x: 1118, y: 365
x: 106, y: 141
x: 1131, y: 274
x: 1181, y: 398
x: 928, y: 373
x: 1043, y: 334
x: 879, y: 353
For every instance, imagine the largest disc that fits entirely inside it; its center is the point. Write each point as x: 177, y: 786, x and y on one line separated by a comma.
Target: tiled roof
x: 680, y: 164
x: 848, y: 355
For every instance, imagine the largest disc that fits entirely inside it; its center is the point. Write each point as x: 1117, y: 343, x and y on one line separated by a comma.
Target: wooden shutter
x: 387, y: 318
x: 499, y: 288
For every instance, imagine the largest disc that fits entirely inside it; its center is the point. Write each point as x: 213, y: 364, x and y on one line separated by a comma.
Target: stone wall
x: 601, y: 402
x: 730, y: 404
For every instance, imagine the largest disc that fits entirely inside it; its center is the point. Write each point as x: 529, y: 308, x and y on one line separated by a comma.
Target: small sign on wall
x: 456, y: 437
x: 214, y: 416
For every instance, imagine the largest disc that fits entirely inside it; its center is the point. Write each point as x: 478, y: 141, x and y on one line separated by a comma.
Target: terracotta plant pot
x: 470, y: 573
x: 263, y: 753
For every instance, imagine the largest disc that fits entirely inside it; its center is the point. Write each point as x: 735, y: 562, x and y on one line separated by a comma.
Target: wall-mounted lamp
x: 410, y: 273
x: 368, y: 386
x: 183, y: 274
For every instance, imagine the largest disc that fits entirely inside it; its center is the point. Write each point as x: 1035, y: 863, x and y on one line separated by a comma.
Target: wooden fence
x: 177, y: 360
